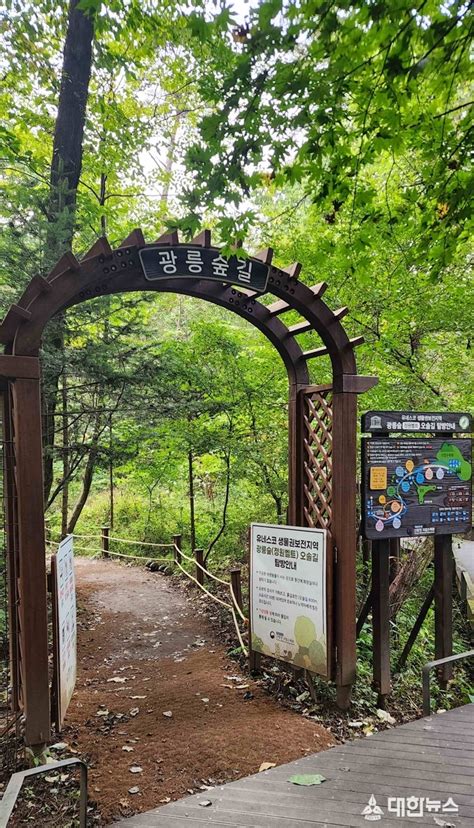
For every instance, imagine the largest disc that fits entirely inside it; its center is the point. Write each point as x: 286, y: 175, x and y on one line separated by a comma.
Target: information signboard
x: 65, y: 625
x: 416, y: 486
x: 202, y: 263
x: 289, y: 591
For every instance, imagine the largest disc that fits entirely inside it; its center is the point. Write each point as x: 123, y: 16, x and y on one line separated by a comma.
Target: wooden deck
x: 431, y: 758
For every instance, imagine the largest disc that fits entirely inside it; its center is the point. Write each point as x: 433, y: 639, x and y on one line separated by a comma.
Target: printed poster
x: 288, y: 595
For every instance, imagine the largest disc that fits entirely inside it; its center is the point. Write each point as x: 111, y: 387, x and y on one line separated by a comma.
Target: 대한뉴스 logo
x: 372, y: 811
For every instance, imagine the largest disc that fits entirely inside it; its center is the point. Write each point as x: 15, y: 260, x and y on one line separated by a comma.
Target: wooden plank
x: 389, y: 764
x: 344, y: 534
x: 33, y: 597
x: 19, y: 367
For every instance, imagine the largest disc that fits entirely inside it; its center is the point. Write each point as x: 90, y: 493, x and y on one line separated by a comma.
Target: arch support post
x: 32, y: 589
x: 344, y: 534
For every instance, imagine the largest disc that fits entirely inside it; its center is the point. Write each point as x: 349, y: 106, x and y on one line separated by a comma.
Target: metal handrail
x: 16, y: 781
x: 426, y: 675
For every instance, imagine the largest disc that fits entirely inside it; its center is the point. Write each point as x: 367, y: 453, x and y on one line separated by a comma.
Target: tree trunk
x: 88, y: 475
x: 64, y: 179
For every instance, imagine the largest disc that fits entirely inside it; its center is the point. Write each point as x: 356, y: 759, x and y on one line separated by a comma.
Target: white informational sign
x: 288, y: 595
x: 66, y: 623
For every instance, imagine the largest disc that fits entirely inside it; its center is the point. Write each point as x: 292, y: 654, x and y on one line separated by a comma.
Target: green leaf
x: 307, y: 779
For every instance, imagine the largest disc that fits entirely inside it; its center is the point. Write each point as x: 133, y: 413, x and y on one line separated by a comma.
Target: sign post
x: 64, y: 628
x: 414, y: 486
x: 291, y: 596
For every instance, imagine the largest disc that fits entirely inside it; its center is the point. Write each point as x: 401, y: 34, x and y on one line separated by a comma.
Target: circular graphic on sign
x: 464, y: 422
x: 379, y: 526
x: 395, y: 506
x: 405, y: 486
x: 420, y: 478
x: 409, y: 465
x: 429, y: 473
x: 399, y: 471
x: 382, y: 499
x: 440, y: 474
x: 397, y: 523
x: 391, y: 491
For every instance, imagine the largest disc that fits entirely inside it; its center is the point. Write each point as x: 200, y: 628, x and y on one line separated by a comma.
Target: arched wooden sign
x: 322, y: 419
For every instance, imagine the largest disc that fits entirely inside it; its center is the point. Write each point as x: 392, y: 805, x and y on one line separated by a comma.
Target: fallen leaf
x: 134, y: 790
x: 137, y: 697
x: 136, y: 769
x: 104, y: 712
x: 355, y: 724
x: 59, y: 746
x: 205, y: 701
x: 51, y: 779
x: 205, y: 803
x: 166, y: 799
x: 266, y: 766
x: 443, y: 824
x: 118, y: 679
x: 127, y: 748
x: 243, y: 687
x: 134, y: 711
x: 168, y: 714
x: 307, y: 779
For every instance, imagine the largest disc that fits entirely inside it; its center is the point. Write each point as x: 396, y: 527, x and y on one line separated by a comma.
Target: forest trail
x: 146, y: 649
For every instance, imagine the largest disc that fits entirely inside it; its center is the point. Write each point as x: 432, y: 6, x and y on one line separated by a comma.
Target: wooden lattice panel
x: 317, y: 463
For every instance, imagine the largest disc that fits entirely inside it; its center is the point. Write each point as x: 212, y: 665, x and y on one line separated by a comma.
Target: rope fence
x: 234, y: 606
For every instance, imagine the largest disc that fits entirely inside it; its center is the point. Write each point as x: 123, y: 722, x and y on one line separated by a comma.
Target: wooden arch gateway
x: 322, y: 420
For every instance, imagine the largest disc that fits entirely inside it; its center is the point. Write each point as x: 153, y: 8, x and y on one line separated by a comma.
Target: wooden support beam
x: 340, y: 313
x: 344, y: 536
x: 278, y: 307
x: 42, y: 284
x: 32, y: 560
x: 315, y: 352
x: 443, y: 594
x: 19, y: 312
x: 357, y: 384
x: 100, y: 248
x: 381, y: 618
x: 178, y: 543
x: 67, y: 261
x: 300, y: 327
x: 293, y: 270
x: 203, y: 238
x: 170, y: 238
x: 134, y: 239
x: 19, y: 367
x: 355, y: 341
x: 105, y: 541
x: 199, y: 557
x: 416, y: 629
x: 265, y: 255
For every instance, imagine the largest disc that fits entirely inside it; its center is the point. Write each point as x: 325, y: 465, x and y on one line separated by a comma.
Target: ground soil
x: 145, y: 648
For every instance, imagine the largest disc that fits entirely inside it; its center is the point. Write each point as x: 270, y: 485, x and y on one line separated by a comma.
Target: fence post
x: 105, y: 541
x: 199, y: 556
x: 236, y: 583
x: 177, y: 540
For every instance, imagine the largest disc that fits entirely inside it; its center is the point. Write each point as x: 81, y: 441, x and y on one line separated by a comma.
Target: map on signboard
x: 288, y: 599
x: 66, y: 622
x: 415, y: 486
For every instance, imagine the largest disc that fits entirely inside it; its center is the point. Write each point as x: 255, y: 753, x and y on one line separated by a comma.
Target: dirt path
x: 145, y: 649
